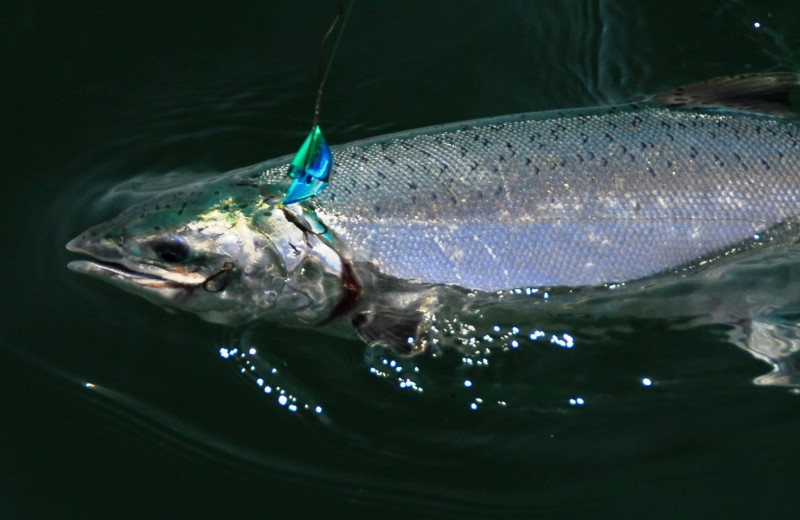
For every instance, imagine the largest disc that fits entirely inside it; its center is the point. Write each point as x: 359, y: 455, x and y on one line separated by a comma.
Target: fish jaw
x: 176, y: 287
x: 119, y: 274
x: 107, y: 262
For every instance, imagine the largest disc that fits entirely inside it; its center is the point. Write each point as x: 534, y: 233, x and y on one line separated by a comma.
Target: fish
x: 463, y: 215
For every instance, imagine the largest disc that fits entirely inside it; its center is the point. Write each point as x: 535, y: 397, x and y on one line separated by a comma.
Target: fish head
x: 229, y: 253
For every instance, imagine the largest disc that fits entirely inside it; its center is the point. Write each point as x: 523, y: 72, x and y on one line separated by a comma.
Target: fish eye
x: 171, y: 250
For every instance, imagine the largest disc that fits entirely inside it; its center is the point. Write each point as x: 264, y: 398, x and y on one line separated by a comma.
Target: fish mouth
x: 108, y: 264
x: 122, y: 274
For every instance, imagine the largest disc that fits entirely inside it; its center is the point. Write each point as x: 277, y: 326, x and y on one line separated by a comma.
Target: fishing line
x: 311, y: 166
x: 323, y: 75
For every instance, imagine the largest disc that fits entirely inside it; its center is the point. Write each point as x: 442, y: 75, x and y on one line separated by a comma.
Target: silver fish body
x: 563, y: 199
x: 445, y: 217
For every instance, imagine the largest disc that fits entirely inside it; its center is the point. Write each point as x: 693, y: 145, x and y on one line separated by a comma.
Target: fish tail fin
x: 766, y: 94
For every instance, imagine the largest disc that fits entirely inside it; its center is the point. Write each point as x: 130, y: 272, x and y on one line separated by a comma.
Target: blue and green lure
x: 310, y: 168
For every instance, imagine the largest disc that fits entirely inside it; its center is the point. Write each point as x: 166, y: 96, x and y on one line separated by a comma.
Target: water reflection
x: 776, y: 342
x: 577, y: 352
x: 267, y: 377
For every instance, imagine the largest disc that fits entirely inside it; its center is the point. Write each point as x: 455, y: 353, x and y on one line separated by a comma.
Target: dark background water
x: 112, y: 408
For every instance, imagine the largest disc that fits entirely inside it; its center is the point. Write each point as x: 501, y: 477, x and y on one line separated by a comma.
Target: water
x: 113, y: 408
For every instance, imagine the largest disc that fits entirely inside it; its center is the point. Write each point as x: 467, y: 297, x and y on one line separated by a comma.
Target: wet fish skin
x: 416, y: 220
x: 221, y: 248
x: 576, y: 198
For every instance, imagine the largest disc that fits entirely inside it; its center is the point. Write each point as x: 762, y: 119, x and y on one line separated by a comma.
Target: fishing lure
x: 310, y: 168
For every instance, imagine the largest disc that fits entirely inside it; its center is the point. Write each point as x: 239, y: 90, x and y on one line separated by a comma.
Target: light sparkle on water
x: 565, y: 341
x: 266, y: 378
x: 535, y: 335
x: 394, y: 369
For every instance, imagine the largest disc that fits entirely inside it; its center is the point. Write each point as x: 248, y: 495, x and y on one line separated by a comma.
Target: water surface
x: 114, y: 408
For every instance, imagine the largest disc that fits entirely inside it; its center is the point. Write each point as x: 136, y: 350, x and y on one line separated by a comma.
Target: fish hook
x: 227, y: 266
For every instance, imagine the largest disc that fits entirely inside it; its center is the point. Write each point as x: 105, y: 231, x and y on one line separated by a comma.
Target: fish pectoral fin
x: 402, y: 330
x: 766, y: 94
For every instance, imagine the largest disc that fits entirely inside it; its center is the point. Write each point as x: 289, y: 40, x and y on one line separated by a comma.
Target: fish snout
x: 88, y: 245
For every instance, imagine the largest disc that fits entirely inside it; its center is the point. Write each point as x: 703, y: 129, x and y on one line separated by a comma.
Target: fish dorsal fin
x: 766, y: 94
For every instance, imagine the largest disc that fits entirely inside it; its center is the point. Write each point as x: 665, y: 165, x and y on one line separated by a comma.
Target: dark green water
x: 112, y: 408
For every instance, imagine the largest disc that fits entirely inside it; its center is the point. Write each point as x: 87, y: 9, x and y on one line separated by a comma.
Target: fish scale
x: 575, y: 198
x: 562, y: 199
